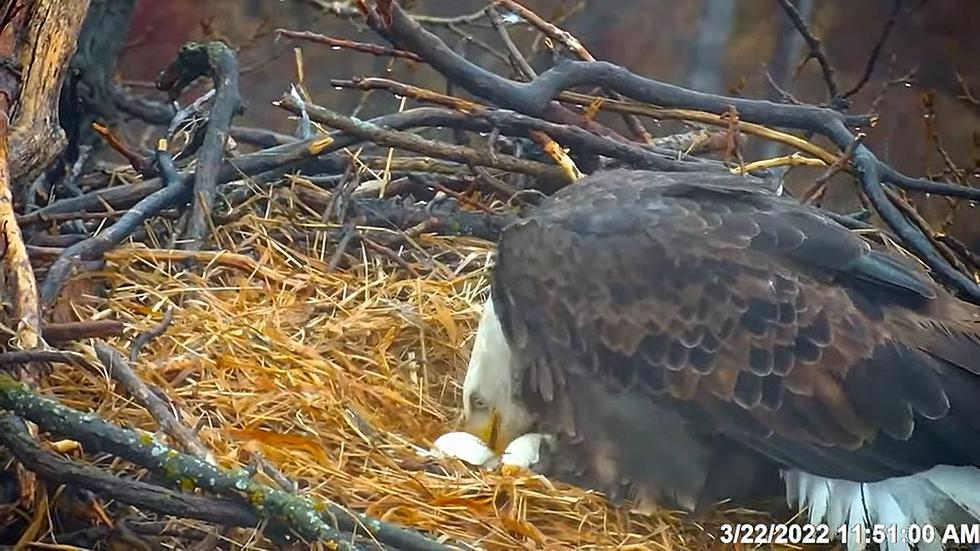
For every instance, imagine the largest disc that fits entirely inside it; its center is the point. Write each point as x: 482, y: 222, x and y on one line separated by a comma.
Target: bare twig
x: 876, y: 51
x: 817, y: 189
x: 923, y: 226
x: 573, y: 44
x: 816, y: 49
x: 347, y: 234
x: 157, y: 330
x: 340, y: 43
x: 785, y: 94
x: 119, y: 370
x: 517, y: 59
x: 136, y: 160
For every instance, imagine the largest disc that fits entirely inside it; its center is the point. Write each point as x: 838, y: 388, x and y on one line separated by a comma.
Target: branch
x: 119, y: 369
x: 298, y: 513
x: 516, y: 124
x: 136, y: 160
x: 534, y: 98
x: 94, y: 246
x: 411, y: 142
x: 144, y: 338
x: 50, y: 466
x: 704, y: 118
x: 517, y: 60
x: 816, y: 49
x: 868, y: 168
x: 340, y: 43
x: 568, y: 39
x: 923, y: 226
x: 816, y: 190
x: 55, y: 333
x: 220, y: 63
x: 146, y: 110
x: 876, y: 51
x: 554, y: 111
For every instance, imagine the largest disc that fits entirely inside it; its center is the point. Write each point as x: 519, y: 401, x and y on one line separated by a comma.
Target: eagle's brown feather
x: 757, y: 323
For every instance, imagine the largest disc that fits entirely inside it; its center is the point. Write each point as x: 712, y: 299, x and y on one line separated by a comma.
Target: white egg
x: 523, y: 451
x: 465, y: 447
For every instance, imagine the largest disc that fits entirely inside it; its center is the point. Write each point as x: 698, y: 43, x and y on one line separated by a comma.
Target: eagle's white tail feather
x: 951, y: 482
x: 939, y: 496
x: 818, y: 507
x: 888, y: 512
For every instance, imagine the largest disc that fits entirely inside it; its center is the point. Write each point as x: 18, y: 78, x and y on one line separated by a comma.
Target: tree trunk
x: 37, y: 38
x: 88, y: 97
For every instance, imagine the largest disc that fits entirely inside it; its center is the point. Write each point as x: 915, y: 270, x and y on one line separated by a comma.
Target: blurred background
x: 922, y: 85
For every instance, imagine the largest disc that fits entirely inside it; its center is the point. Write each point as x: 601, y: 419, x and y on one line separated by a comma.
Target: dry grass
x: 338, y: 379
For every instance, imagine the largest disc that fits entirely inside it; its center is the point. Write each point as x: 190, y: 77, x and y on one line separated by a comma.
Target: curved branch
x: 220, y: 63
x: 50, y: 466
x: 535, y: 98
x: 299, y: 513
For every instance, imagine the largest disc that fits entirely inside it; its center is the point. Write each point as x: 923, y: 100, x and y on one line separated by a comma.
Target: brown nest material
x: 341, y: 378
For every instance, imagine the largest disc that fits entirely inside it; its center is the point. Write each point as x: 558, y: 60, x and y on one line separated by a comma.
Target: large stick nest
x: 340, y: 378
x: 324, y: 288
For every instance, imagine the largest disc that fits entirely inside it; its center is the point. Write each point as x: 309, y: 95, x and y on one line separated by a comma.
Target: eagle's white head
x: 490, y: 409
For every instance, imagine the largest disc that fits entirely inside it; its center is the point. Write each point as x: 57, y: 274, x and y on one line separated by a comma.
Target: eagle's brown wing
x: 650, y: 313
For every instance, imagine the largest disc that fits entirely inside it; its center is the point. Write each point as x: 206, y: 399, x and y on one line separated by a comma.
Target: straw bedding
x: 340, y: 378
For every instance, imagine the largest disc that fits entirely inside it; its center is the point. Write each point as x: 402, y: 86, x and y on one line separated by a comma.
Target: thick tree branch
x: 297, y: 512
x: 220, y: 63
x: 50, y: 466
x: 535, y: 97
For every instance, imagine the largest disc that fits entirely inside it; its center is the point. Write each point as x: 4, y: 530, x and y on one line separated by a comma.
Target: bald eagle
x: 685, y: 338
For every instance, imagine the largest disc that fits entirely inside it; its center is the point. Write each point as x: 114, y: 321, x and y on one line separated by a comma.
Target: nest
x: 319, y: 336
x: 339, y: 379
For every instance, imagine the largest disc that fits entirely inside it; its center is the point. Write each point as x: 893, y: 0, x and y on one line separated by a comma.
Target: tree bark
x: 49, y: 33
x: 37, y: 38
x: 89, y: 94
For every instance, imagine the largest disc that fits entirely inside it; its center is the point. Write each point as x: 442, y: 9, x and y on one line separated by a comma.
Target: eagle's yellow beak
x: 486, y: 427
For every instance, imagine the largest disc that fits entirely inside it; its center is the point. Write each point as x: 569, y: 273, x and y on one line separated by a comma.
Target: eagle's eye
x: 477, y: 403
